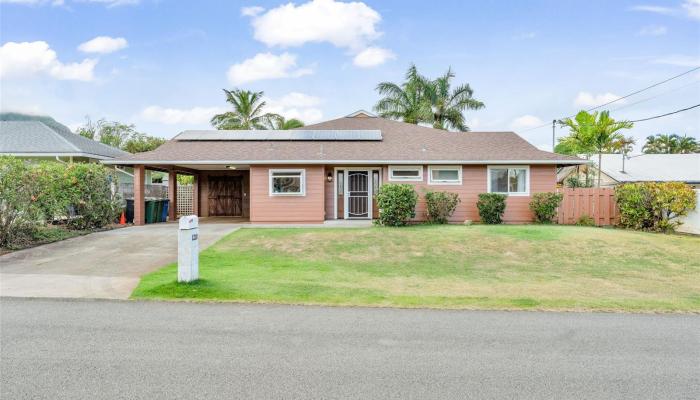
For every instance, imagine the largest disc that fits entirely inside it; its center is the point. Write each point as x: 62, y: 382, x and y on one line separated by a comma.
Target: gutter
x: 346, y: 162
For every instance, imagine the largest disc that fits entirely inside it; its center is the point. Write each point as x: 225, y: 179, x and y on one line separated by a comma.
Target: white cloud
x: 373, y: 56
x: 689, y: 8
x: 692, y: 8
x: 266, y: 66
x: 171, y: 116
x: 654, y: 9
x: 653, y: 30
x: 679, y: 60
x: 103, y: 45
x: 112, y: 3
x: 525, y: 122
x: 525, y: 36
x: 586, y: 99
x: 251, y: 11
x: 30, y: 58
x: 346, y: 25
x: 296, y: 105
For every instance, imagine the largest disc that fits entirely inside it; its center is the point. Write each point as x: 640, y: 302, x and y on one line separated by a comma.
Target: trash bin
x: 157, y: 210
x: 130, y: 211
x: 150, y: 211
x: 164, y: 214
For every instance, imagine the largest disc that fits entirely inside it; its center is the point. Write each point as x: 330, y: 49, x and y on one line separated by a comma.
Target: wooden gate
x: 226, y: 196
x: 597, y: 203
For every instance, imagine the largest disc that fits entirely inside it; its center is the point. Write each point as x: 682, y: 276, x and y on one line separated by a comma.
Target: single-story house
x: 638, y: 168
x: 333, y: 169
x: 35, y: 140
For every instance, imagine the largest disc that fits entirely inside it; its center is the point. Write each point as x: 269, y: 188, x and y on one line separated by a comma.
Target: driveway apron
x: 99, y: 265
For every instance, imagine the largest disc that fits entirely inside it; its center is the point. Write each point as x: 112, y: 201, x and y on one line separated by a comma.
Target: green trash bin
x: 156, y: 210
x: 159, y: 215
x: 150, y: 211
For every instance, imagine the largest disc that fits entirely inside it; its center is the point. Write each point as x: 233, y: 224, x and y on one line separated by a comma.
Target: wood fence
x: 597, y: 203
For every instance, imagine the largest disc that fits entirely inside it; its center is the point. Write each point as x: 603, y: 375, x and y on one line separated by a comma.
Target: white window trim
x: 527, y: 179
x: 444, y: 167
x: 393, y: 178
x: 303, y: 182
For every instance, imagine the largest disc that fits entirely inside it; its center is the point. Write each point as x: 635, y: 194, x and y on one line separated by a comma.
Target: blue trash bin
x: 164, y: 214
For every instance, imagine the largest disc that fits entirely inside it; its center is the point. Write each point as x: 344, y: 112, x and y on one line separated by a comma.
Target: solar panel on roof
x: 281, y: 135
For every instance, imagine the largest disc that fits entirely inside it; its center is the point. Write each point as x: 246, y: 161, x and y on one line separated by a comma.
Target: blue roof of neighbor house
x: 34, y: 138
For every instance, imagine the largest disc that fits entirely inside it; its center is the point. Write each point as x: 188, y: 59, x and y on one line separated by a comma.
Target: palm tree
x: 448, y: 105
x: 687, y: 144
x: 623, y: 145
x: 278, y: 122
x: 247, y: 111
x: 671, y: 144
x: 596, y: 132
x: 404, y: 102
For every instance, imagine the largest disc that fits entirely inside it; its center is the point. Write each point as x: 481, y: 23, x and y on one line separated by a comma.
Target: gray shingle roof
x: 34, y: 137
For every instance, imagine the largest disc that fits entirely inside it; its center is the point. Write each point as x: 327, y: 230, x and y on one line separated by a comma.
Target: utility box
x: 188, y: 249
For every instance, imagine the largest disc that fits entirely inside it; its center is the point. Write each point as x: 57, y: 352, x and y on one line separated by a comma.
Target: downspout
x: 59, y: 160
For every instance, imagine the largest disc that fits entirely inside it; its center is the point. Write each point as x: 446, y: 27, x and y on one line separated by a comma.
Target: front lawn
x: 486, y: 267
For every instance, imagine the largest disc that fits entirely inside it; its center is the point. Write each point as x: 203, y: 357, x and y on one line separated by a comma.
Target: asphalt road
x: 78, y: 349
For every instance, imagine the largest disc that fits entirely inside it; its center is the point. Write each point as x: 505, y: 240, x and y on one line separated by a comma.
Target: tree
x: 671, y: 144
x: 112, y: 133
x: 278, y: 122
x: 422, y: 100
x: 405, y: 102
x: 139, y: 143
x: 119, y: 135
x: 247, y: 111
x: 448, y: 105
x: 594, y: 132
x: 622, y: 145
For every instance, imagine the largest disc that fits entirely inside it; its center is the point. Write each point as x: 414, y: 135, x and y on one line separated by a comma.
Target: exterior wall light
x: 329, y: 177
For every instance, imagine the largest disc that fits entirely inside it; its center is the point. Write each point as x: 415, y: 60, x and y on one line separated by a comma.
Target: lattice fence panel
x: 185, y: 200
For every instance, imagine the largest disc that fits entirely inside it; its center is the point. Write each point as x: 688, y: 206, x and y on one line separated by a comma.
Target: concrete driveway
x: 100, y: 265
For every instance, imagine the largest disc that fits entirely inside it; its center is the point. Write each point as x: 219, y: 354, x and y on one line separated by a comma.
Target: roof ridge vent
x: 361, y: 114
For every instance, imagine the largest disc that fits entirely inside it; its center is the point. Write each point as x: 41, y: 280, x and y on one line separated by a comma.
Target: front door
x: 226, y: 196
x: 358, y: 194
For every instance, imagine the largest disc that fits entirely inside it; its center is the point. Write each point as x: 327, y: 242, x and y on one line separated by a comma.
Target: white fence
x: 185, y: 200
x: 691, y: 222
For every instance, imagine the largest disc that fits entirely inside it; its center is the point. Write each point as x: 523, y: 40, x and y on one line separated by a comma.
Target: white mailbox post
x: 188, y: 249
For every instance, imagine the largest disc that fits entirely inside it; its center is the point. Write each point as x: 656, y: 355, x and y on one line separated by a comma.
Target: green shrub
x: 491, y: 207
x: 654, y: 206
x: 544, y: 206
x: 89, y: 188
x: 397, y: 204
x: 585, y: 220
x: 20, y: 214
x: 32, y: 194
x: 576, y: 182
x: 441, y: 206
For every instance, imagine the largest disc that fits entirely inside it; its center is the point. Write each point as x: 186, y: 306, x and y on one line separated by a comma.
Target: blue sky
x: 161, y: 65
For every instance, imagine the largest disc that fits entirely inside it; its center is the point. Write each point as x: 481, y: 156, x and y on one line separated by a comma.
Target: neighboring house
x: 638, y: 168
x: 333, y: 169
x: 35, y: 140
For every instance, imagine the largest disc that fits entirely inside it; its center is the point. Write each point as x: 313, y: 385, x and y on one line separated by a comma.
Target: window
x: 445, y: 175
x: 406, y: 173
x: 509, y: 180
x: 287, y: 182
x: 340, y: 181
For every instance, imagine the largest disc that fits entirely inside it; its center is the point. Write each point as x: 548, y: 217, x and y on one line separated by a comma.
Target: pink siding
x: 543, y: 179
x: 266, y: 208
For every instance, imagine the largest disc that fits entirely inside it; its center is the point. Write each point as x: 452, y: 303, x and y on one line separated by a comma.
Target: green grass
x: 485, y: 267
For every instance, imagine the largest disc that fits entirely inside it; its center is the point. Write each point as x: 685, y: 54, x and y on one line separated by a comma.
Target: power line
x: 646, y: 88
x: 656, y: 96
x: 667, y: 114
x: 621, y: 98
